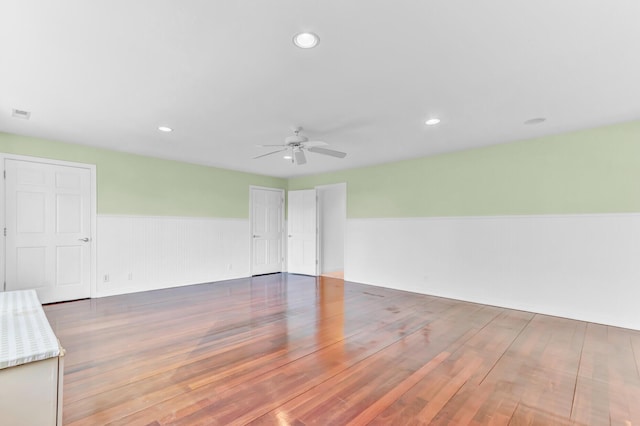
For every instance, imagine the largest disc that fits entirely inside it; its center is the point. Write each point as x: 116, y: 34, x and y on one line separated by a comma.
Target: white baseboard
x: 584, y: 267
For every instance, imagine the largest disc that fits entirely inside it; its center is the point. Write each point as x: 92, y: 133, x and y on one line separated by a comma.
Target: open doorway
x: 332, y: 217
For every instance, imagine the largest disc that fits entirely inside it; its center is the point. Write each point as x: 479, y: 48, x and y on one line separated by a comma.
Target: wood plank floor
x: 293, y: 350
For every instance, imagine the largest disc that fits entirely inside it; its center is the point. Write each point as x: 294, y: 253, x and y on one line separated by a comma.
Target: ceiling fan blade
x: 326, y: 151
x: 314, y: 143
x: 300, y: 157
x: 271, y: 145
x: 269, y: 153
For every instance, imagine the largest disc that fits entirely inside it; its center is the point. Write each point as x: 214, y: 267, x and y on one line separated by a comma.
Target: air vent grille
x: 20, y: 113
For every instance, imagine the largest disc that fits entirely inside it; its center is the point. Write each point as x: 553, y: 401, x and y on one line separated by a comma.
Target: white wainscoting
x: 584, y: 267
x: 138, y: 253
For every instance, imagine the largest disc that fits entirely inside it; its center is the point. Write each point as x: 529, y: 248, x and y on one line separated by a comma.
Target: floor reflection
x: 331, y: 315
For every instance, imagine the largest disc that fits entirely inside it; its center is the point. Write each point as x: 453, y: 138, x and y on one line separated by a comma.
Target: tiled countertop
x: 25, y: 333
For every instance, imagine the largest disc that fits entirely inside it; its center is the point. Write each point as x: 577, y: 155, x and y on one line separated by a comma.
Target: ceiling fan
x: 298, y: 144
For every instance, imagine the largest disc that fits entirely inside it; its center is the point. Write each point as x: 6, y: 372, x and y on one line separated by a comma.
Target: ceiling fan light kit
x: 297, y: 144
x: 306, y: 40
x: 299, y: 156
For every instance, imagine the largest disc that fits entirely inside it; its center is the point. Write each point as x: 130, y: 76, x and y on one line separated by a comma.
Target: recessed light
x: 165, y: 129
x: 287, y: 157
x: 432, y: 121
x: 306, y: 40
x: 537, y: 120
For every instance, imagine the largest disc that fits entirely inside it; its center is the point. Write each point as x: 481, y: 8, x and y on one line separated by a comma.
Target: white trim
x: 283, y: 240
x: 490, y: 217
x: 3, y: 258
x: 5, y: 156
x: 93, y: 207
x: 318, y: 234
x: 94, y: 231
x: 136, y: 216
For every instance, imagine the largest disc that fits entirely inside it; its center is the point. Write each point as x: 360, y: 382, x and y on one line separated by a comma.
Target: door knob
x: 85, y: 239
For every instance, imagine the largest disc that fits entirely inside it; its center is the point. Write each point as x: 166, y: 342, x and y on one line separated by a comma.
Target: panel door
x: 48, y: 224
x: 267, y: 216
x: 303, y: 232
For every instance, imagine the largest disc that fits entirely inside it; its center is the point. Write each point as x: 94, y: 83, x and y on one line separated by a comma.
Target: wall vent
x: 19, y: 113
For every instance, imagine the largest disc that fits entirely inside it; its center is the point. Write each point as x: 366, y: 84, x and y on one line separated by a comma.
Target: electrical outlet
x: 106, y: 278
x: 229, y: 267
x: 130, y: 277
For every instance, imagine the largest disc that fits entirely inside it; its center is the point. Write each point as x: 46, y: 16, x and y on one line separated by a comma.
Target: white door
x: 267, y: 223
x: 48, y: 229
x: 303, y: 232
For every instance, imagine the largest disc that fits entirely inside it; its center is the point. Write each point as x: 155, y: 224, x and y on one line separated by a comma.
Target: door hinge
x: 5, y: 232
x: 4, y: 173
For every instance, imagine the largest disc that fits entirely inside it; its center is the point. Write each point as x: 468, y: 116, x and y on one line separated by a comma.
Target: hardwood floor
x: 295, y: 350
x: 334, y: 274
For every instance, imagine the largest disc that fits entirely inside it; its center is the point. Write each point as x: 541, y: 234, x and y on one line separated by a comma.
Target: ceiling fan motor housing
x: 297, y: 138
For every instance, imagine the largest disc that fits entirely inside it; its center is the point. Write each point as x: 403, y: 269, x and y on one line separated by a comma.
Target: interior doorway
x: 332, y: 218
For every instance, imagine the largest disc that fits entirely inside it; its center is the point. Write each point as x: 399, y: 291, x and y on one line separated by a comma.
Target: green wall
x: 133, y: 184
x: 589, y: 171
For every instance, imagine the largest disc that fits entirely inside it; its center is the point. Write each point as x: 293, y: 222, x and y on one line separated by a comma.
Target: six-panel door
x: 266, y: 228
x: 48, y: 219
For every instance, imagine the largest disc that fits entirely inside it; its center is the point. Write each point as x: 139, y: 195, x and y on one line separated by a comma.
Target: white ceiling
x: 226, y: 75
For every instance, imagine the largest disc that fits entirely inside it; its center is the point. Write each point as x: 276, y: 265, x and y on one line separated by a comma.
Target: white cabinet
x: 31, y: 363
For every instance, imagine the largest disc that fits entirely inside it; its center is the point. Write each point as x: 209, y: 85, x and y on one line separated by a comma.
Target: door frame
x: 92, y: 209
x: 283, y: 257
